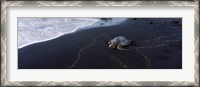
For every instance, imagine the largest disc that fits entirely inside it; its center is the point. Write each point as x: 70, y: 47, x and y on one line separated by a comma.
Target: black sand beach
x: 157, y: 45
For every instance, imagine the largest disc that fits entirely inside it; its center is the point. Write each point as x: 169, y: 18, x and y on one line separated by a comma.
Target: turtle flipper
x: 121, y: 48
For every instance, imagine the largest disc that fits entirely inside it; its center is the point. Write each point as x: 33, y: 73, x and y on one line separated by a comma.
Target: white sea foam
x: 34, y: 30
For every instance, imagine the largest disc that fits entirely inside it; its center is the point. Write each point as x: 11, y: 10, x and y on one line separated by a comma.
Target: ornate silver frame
x: 4, y: 4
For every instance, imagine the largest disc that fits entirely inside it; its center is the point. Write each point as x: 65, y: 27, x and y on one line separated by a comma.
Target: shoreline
x: 93, y: 25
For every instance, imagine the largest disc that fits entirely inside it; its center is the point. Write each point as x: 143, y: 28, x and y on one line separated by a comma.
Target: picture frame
x: 4, y: 38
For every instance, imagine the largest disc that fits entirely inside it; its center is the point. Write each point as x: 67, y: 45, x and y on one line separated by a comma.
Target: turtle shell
x: 122, y: 41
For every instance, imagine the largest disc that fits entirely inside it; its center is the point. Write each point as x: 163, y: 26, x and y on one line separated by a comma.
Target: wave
x: 35, y: 30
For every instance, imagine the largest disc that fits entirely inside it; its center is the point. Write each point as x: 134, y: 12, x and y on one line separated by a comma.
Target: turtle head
x: 112, y: 46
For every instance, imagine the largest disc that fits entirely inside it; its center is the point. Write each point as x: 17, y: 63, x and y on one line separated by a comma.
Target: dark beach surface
x: 157, y: 44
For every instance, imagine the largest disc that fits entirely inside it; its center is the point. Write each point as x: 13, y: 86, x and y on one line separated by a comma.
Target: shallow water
x: 35, y: 30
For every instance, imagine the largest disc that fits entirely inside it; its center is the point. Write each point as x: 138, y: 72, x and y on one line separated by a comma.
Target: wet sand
x: 158, y: 45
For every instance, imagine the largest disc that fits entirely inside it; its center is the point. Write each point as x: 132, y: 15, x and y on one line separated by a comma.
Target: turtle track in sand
x: 121, y: 63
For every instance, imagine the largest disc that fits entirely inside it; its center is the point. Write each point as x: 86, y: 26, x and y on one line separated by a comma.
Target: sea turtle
x: 119, y: 42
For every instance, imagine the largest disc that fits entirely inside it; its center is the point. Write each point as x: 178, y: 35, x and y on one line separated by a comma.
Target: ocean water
x: 35, y: 30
